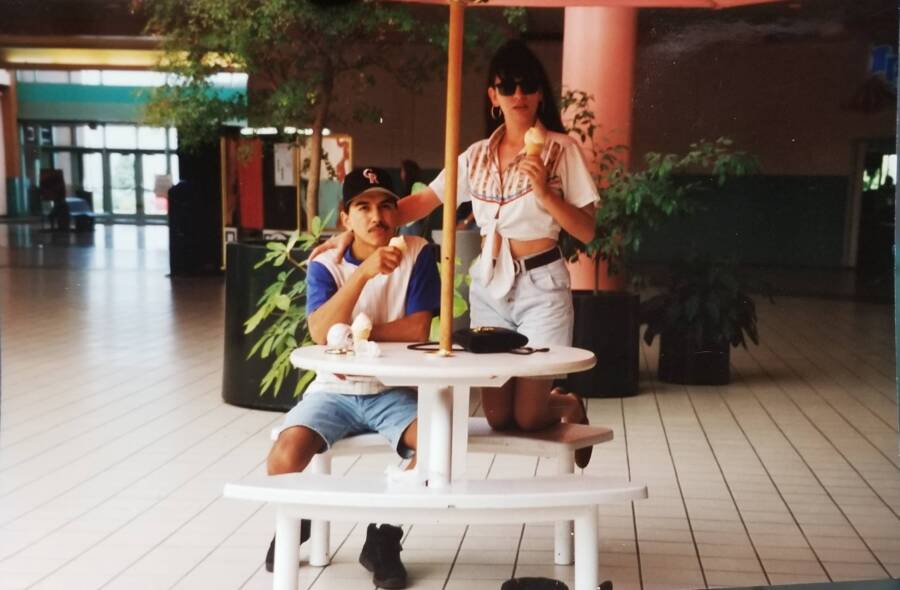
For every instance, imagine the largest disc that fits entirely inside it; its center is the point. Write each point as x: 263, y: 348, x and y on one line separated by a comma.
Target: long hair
x: 515, y: 60
x: 410, y: 174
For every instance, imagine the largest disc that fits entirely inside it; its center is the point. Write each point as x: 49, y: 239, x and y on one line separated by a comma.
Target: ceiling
x: 108, y: 26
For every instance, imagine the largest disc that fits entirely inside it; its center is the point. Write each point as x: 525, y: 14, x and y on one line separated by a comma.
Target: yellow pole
x: 451, y: 151
x: 223, y: 179
x: 297, y: 183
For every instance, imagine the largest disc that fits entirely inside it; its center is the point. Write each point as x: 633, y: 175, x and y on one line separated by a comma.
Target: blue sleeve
x: 424, y: 291
x: 320, y: 286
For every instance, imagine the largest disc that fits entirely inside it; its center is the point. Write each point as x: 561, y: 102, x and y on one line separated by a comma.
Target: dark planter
x: 682, y: 362
x: 243, y: 288
x: 607, y: 323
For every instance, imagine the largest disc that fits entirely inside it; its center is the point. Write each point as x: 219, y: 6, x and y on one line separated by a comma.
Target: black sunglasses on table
x: 508, y: 87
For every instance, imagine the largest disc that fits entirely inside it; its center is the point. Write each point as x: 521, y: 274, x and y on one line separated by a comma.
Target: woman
x: 520, y: 203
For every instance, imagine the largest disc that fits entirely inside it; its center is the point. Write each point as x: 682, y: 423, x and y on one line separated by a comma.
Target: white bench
x: 366, y: 499
x: 559, y: 442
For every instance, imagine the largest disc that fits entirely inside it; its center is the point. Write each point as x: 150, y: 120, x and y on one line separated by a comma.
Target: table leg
x: 287, y: 552
x: 438, y: 414
x: 586, y: 549
x: 562, y: 544
x: 460, y: 432
x: 320, y: 530
x: 423, y: 441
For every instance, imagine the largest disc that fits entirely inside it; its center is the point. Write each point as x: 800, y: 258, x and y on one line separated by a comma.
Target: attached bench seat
x: 560, y: 441
x: 494, y: 501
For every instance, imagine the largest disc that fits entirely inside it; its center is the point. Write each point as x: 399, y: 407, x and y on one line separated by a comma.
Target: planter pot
x: 243, y: 288
x: 607, y: 324
x: 582, y: 274
x: 681, y: 362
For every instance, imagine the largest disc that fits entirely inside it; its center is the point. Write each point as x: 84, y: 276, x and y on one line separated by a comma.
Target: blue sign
x: 884, y: 63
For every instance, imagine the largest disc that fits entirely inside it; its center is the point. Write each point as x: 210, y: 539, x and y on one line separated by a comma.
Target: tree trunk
x: 315, y: 145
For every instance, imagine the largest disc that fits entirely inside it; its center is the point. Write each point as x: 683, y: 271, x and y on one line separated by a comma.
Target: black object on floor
x: 381, y: 556
x: 533, y: 584
x: 887, y: 584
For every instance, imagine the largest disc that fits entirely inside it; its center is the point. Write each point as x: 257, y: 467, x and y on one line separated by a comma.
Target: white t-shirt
x: 507, y: 208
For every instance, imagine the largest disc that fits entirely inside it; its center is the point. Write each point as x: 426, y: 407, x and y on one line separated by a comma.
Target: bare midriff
x: 523, y: 248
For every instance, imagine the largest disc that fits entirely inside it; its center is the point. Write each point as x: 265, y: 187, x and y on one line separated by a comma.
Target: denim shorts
x: 539, y: 305
x: 334, y: 416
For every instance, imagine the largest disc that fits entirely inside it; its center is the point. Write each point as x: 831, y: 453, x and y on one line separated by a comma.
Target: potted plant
x: 632, y: 204
x: 703, y: 311
x: 259, y: 366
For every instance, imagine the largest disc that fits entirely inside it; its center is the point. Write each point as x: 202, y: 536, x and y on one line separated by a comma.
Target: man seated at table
x: 399, y: 289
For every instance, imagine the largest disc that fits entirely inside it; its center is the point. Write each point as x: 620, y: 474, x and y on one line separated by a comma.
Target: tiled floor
x: 114, y: 445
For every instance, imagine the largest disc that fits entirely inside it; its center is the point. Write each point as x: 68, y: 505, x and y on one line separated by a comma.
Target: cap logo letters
x: 370, y: 175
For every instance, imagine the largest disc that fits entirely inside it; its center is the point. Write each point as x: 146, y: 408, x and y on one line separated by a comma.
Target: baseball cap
x: 363, y: 180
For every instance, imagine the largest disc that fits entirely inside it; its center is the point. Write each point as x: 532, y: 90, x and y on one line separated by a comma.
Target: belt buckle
x: 518, y: 266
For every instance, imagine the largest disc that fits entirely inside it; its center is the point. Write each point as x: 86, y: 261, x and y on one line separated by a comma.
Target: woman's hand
x: 338, y: 242
x: 534, y: 169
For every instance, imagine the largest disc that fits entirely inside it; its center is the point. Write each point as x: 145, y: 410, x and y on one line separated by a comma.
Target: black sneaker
x: 270, y: 554
x: 381, y: 556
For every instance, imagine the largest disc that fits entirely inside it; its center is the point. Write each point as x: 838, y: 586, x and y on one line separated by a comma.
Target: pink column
x: 598, y: 58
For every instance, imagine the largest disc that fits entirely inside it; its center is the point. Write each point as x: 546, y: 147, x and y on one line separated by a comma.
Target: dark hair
x: 514, y: 60
x: 410, y: 173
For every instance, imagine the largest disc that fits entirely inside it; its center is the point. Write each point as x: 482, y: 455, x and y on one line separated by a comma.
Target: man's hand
x: 338, y: 242
x: 382, y: 261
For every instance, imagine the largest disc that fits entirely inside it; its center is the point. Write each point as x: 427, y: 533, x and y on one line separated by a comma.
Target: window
x: 121, y: 136
x: 132, y: 78
x: 51, y: 77
x: 89, y: 136
x: 123, y: 169
x: 62, y: 135
x: 152, y: 138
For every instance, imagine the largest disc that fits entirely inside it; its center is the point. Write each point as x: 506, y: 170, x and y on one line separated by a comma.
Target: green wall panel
x: 765, y: 220
x: 73, y: 102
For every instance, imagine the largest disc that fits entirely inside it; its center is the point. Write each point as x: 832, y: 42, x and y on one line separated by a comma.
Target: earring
x: 496, y: 115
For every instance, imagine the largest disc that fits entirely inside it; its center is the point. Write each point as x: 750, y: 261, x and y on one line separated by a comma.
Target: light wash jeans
x: 539, y: 305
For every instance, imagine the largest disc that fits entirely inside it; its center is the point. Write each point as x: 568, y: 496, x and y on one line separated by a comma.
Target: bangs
x: 514, y: 61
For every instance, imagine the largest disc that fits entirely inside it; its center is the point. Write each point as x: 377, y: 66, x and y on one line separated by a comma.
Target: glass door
x: 155, y: 184
x: 122, y: 185
x: 92, y: 178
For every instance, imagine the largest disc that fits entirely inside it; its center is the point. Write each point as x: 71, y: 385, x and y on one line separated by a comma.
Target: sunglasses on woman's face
x: 508, y: 87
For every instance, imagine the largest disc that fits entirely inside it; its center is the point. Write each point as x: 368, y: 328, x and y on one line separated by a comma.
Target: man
x: 399, y: 289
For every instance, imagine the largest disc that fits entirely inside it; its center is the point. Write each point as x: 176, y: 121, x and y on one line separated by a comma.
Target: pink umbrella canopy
x: 454, y: 82
x: 608, y: 3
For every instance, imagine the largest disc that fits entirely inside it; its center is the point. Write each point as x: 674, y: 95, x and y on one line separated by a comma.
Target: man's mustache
x: 379, y: 225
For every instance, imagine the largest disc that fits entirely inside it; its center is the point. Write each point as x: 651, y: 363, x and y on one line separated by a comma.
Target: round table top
x: 397, y: 361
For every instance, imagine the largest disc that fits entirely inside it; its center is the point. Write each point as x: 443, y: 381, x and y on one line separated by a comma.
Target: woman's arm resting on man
x: 417, y: 205
x: 412, y: 208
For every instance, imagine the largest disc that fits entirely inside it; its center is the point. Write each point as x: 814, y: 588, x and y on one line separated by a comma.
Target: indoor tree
x: 308, y: 62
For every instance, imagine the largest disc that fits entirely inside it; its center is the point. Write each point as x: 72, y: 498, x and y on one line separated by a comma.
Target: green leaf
x: 282, y: 302
x: 459, y: 305
x: 304, y: 381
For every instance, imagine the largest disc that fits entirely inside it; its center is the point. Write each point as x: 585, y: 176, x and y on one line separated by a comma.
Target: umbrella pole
x: 451, y: 151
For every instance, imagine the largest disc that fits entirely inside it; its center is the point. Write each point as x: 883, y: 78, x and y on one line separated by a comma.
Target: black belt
x: 541, y: 259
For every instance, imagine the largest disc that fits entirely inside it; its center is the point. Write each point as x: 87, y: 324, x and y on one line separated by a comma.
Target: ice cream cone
x: 534, y: 141
x: 398, y: 242
x: 361, y: 328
